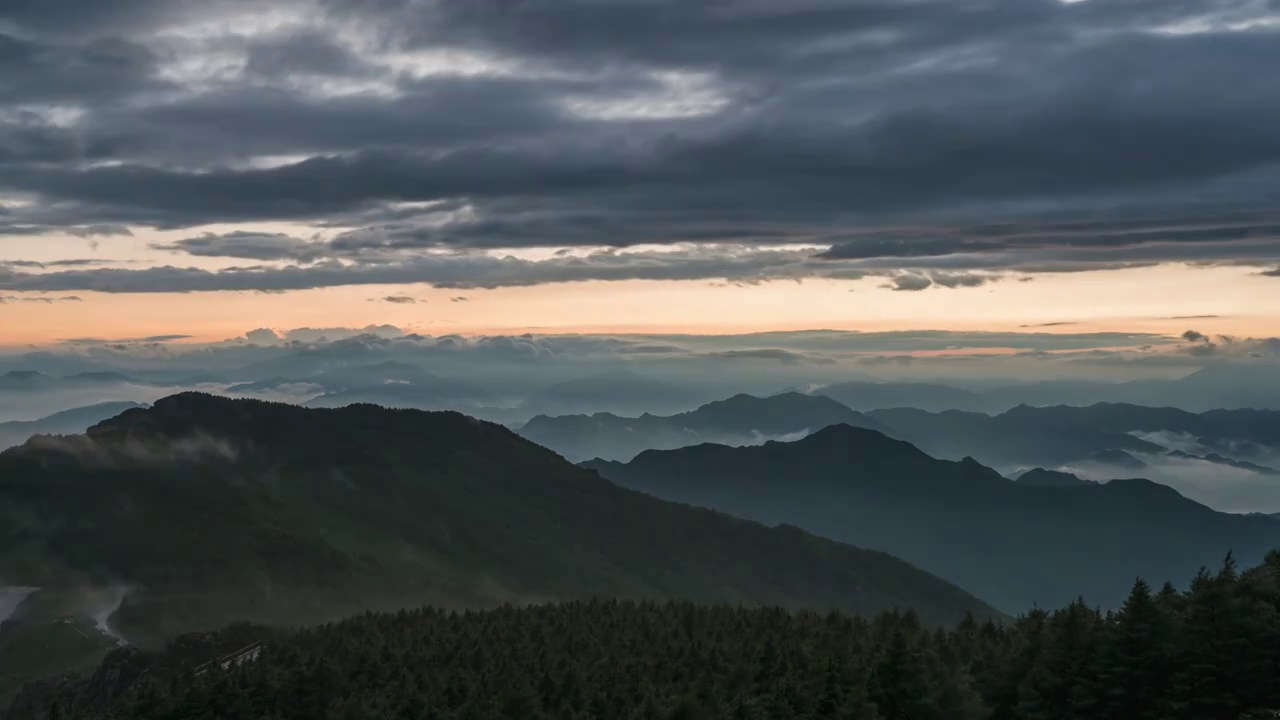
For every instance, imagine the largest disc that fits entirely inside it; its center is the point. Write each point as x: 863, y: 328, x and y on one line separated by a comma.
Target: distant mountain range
x: 1118, y: 438
x: 201, y: 511
x: 739, y: 420
x: 32, y: 381
x: 1230, y: 385
x: 1115, y: 438
x: 1016, y: 544
x: 1051, y: 478
x: 1023, y: 436
x: 67, y: 422
x: 621, y: 391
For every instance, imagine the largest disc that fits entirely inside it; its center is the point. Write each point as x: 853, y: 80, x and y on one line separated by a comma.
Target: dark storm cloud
x: 432, y: 114
x: 82, y: 17
x: 102, y: 70
x: 567, y: 123
x: 304, y: 54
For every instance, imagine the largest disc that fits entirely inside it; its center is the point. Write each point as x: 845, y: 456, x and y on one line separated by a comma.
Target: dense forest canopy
x: 1210, y: 652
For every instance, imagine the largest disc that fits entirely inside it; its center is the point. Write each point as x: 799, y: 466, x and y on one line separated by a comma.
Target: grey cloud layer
x: 404, y: 126
x: 463, y: 271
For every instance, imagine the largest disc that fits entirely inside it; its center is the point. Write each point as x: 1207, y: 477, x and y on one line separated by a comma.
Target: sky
x: 194, y: 170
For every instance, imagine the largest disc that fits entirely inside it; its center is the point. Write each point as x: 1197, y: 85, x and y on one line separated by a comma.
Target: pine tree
x: 900, y: 686
x: 1133, y: 668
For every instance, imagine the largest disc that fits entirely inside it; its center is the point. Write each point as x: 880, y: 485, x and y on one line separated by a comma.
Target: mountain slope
x: 1015, y: 544
x: 66, y: 422
x: 865, y: 395
x: 206, y: 511
x: 1052, y: 478
x: 739, y: 420
x: 1023, y: 436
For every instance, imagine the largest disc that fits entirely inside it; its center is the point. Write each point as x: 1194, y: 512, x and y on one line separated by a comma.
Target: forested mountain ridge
x: 1019, y: 545
x: 1206, y: 653
x: 207, y: 511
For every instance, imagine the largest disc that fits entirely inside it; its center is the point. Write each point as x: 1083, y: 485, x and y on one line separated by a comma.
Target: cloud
x: 149, y: 340
x: 45, y: 300
x: 909, y: 282
x: 1192, y: 336
x: 1272, y: 273
x: 73, y: 262
x: 334, y: 334
x: 262, y: 336
x: 929, y: 142
x: 399, y: 299
x: 246, y: 245
x: 92, y: 231
x: 771, y: 355
x: 460, y: 271
x: 873, y: 360
x: 459, y: 298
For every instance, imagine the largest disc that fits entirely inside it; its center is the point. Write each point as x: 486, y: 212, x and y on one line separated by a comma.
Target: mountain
x: 435, y: 396
x: 25, y: 381
x: 1227, y: 385
x: 1051, y: 478
x: 391, y: 384
x: 864, y: 395
x: 200, y: 511
x: 1020, y: 437
x: 619, y: 391
x: 1224, y: 385
x: 739, y: 420
x: 33, y: 381
x: 1063, y: 434
x: 1014, y: 544
x: 1116, y: 458
x: 1217, y: 459
x: 66, y: 422
x: 1261, y: 427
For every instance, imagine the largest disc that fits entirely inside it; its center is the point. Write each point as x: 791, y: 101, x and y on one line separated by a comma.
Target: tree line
x: 1207, y: 652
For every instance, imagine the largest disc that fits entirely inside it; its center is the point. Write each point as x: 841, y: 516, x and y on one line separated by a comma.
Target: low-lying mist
x: 11, y: 598
x: 91, y: 452
x: 1221, y: 487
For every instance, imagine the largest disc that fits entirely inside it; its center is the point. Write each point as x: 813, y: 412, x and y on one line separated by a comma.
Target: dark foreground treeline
x: 1210, y: 652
